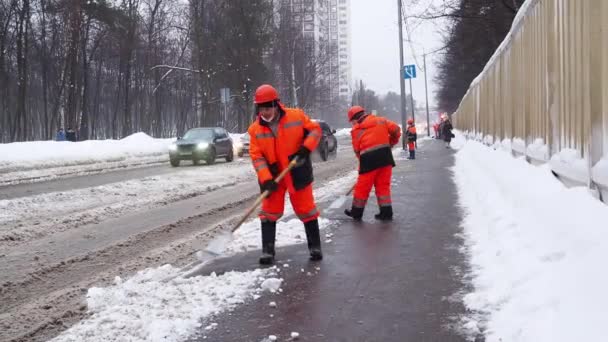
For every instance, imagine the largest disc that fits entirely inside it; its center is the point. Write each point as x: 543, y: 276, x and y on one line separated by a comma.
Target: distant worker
x: 372, y: 139
x: 436, y: 129
x: 60, y: 136
x: 278, y: 135
x: 446, y: 130
x: 70, y: 135
x: 411, y: 136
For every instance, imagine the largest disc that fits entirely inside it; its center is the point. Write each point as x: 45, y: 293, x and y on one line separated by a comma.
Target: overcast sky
x: 375, y: 48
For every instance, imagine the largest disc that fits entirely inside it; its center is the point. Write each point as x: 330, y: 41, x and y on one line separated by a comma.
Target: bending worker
x: 372, y: 138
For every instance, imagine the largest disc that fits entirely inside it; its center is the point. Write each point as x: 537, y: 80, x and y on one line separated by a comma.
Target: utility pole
x: 426, y: 93
x: 401, y: 70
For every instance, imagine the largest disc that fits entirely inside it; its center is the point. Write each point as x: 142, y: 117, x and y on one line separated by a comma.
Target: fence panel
x: 545, y: 90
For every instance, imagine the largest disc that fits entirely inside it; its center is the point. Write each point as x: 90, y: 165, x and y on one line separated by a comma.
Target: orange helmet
x: 354, y: 110
x: 410, y: 121
x: 265, y: 93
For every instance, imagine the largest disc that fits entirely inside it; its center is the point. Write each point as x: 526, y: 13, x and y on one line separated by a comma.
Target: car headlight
x: 172, y: 147
x: 202, y: 146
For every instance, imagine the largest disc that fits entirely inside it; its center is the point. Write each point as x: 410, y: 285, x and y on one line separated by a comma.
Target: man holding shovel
x: 372, y: 139
x: 278, y: 136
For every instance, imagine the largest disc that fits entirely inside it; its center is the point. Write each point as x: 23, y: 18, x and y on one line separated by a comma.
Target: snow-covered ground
x: 58, y: 211
x: 537, y: 250
x: 51, y: 159
x: 146, y: 307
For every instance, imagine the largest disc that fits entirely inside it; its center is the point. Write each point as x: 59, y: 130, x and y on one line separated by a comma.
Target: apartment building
x: 326, y: 28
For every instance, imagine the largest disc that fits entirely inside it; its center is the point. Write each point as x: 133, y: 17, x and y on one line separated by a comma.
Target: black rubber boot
x: 355, y: 212
x: 386, y: 213
x: 269, y: 230
x: 412, y: 154
x: 314, y: 240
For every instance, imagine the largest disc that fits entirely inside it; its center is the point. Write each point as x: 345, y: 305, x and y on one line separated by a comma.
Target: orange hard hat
x: 354, y: 110
x: 410, y: 121
x: 265, y: 93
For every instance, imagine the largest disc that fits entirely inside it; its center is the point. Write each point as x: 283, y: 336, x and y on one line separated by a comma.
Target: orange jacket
x: 271, y: 154
x: 372, y: 139
x: 411, y: 134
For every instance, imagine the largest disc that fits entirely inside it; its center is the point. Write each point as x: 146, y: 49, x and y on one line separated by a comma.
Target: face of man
x: 268, y: 113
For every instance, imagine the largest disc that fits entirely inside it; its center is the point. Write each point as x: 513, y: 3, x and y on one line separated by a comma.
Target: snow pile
x: 144, y: 308
x: 600, y: 172
x: 38, y: 154
x: 488, y: 139
x: 272, y: 284
x: 538, y: 150
x: 568, y: 163
x: 343, y: 132
x: 537, y: 250
x: 519, y: 145
x: 506, y: 145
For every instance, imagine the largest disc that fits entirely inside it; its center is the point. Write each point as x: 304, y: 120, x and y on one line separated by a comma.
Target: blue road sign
x: 409, y: 71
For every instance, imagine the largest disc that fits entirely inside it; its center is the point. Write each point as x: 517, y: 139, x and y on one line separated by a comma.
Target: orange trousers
x: 381, y: 180
x: 302, y: 201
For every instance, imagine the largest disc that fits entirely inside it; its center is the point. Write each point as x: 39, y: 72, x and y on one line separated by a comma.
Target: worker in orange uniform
x: 411, y: 138
x: 278, y: 135
x: 372, y: 139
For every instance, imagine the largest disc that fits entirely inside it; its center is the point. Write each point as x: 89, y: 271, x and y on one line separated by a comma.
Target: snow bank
x: 538, y: 150
x: 144, y: 308
x: 537, y: 250
x: 600, y: 172
x: 38, y: 154
x: 488, y: 139
x: 569, y: 164
x: 506, y: 145
x: 343, y: 132
x: 518, y: 145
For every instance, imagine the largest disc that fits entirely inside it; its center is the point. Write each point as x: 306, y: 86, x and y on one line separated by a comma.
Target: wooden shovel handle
x: 265, y: 194
x: 351, y: 189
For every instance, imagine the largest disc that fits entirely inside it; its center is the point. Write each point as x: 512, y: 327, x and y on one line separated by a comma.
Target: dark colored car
x: 205, y: 143
x: 328, y: 144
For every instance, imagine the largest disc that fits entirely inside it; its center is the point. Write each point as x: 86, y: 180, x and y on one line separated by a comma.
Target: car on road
x: 243, y: 146
x: 203, y: 143
x: 329, y: 144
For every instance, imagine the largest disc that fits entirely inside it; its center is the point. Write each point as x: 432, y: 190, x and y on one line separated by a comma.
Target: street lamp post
x: 401, y: 69
x: 426, y: 93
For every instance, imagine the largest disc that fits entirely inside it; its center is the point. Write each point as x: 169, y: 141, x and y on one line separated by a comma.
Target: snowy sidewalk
x: 394, y: 281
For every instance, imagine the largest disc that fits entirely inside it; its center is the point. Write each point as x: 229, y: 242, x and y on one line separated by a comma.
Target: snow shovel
x: 339, y: 202
x: 218, y: 245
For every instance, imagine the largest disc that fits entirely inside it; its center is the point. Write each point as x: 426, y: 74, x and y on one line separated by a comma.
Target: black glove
x: 269, y: 185
x: 303, y: 153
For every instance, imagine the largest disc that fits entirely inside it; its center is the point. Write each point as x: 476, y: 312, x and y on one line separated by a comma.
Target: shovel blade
x: 217, y: 246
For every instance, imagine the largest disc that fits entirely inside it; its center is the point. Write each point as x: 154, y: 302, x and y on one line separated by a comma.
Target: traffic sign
x: 409, y: 71
x: 225, y: 95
